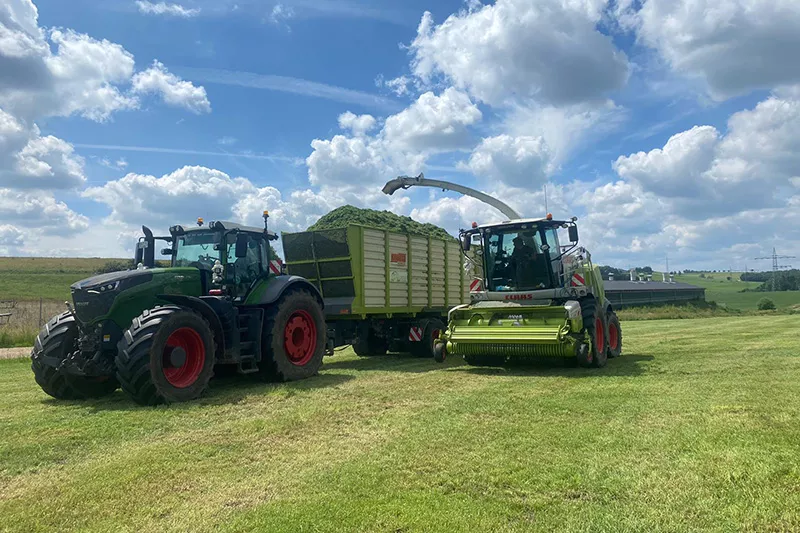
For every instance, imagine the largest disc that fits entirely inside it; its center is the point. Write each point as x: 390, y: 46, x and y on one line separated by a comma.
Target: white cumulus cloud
x: 550, y: 50
x: 173, y: 90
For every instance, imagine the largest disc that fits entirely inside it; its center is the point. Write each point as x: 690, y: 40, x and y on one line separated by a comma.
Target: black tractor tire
x: 368, y: 343
x: 145, y: 365
x: 485, y: 360
x: 430, y: 333
x: 614, y: 335
x: 293, y: 340
x: 594, y: 324
x: 56, y: 341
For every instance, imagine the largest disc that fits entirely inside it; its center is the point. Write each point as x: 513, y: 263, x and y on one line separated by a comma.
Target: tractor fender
x: 278, y: 286
x: 207, y: 312
x: 607, y: 309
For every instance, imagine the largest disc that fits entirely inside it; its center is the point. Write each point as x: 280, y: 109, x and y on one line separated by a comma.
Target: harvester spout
x: 405, y: 182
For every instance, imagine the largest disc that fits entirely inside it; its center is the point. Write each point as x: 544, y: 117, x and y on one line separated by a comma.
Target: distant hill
x: 348, y: 214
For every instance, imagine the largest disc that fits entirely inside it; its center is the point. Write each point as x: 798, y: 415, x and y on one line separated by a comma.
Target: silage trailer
x: 382, y: 290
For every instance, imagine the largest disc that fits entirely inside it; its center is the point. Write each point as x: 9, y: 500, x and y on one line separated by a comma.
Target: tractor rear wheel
x: 594, y: 324
x: 614, y: 335
x: 293, y: 338
x: 430, y: 333
x: 57, y: 340
x: 165, y: 356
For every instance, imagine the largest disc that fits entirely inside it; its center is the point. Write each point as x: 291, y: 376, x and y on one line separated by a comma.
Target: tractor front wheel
x: 293, y: 338
x: 57, y: 340
x: 167, y: 355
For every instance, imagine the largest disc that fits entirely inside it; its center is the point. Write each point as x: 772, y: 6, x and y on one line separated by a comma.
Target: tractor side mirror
x: 241, y: 245
x: 466, y: 242
x: 166, y: 251
x: 573, y: 234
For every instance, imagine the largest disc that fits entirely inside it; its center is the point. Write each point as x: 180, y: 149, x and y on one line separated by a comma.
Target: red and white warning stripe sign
x: 577, y: 280
x: 476, y: 285
x: 275, y: 267
x: 415, y: 334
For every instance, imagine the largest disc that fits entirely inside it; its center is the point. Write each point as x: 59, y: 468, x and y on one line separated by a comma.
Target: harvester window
x: 516, y: 261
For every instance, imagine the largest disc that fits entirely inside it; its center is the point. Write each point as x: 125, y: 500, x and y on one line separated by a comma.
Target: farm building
x: 637, y: 293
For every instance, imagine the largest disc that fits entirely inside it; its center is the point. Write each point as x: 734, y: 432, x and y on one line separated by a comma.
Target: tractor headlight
x: 105, y: 287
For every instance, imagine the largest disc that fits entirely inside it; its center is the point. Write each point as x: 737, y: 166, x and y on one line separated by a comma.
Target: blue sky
x: 668, y: 127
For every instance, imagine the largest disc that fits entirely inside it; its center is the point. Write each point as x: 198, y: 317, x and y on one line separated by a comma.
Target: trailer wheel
x: 55, y: 342
x: 595, y: 325
x: 614, y: 335
x: 166, y: 355
x: 293, y: 338
x: 430, y: 333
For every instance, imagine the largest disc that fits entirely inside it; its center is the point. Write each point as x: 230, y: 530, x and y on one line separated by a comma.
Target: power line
x: 775, y: 266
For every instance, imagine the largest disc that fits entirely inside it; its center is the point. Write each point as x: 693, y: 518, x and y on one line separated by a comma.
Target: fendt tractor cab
x: 159, y: 332
x: 534, y: 298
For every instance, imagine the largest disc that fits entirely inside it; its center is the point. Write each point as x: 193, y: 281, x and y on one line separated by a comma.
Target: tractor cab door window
x: 245, y: 270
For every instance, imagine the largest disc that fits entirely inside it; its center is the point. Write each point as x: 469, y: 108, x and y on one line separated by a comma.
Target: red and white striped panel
x: 577, y: 280
x: 415, y: 334
x: 275, y: 267
x: 476, y: 285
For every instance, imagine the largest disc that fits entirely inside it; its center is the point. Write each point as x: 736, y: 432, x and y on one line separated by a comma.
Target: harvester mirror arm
x: 405, y: 182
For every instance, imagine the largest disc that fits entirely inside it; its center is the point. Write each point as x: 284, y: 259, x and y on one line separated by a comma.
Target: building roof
x: 620, y: 286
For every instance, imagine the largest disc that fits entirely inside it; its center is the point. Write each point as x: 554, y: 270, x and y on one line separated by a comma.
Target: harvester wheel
x: 595, y: 325
x: 430, y: 333
x: 614, y: 335
x: 166, y: 355
x: 56, y: 341
x: 293, y: 338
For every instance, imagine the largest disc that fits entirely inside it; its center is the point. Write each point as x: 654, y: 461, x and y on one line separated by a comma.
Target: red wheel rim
x: 300, y: 337
x: 613, y: 336
x: 599, y: 335
x: 184, y: 375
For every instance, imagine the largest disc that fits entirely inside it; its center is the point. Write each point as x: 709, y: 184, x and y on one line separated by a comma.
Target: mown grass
x: 695, y: 428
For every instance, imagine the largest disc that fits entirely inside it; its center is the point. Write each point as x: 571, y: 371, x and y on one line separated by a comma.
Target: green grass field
x: 695, y: 428
x: 722, y: 291
x: 31, y: 278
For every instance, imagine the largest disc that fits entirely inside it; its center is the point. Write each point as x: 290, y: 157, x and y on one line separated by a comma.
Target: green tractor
x: 158, y: 333
x: 537, y: 298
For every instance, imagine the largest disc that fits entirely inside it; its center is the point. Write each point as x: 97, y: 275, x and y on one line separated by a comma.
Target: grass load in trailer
x: 383, y: 290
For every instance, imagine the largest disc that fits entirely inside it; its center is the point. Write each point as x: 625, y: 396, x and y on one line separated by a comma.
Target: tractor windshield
x: 516, y: 260
x: 196, y: 249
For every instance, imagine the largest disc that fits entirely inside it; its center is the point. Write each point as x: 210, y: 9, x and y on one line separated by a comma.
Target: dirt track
x: 11, y: 353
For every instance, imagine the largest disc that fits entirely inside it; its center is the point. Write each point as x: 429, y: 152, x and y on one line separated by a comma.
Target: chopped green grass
x: 695, y: 428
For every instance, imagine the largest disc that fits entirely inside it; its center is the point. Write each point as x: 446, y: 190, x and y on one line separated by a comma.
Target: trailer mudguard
x: 269, y: 291
x: 207, y: 312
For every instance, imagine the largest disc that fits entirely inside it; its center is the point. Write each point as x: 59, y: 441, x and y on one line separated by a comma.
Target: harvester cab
x: 159, y: 332
x: 536, y: 297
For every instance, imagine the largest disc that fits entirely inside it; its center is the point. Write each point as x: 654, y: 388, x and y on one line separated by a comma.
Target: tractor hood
x: 122, y: 295
x: 111, y: 278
